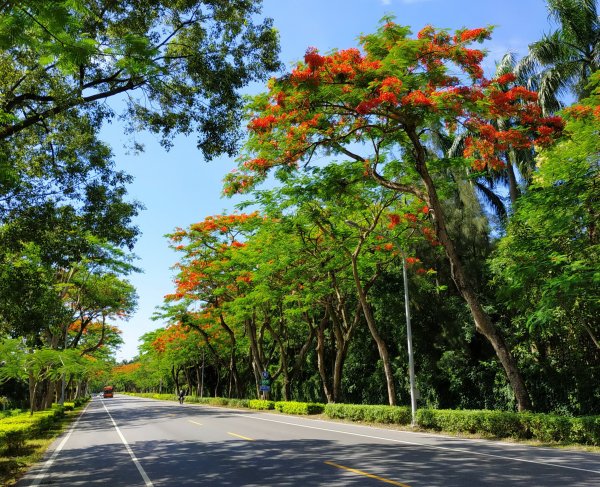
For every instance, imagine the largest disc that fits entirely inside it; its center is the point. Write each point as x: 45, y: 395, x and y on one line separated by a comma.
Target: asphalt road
x: 127, y: 441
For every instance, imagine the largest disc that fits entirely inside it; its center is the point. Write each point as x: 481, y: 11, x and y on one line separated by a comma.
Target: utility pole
x: 411, y: 360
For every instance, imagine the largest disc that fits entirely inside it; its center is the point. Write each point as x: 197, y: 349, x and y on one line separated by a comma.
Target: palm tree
x: 561, y: 62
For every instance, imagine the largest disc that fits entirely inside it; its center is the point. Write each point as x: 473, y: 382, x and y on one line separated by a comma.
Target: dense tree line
x: 384, y: 154
x: 400, y: 152
x: 66, y: 222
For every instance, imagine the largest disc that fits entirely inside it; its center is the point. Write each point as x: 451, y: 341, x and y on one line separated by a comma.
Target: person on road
x: 181, y: 396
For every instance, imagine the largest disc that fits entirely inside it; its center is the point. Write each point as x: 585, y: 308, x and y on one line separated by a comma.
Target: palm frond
x: 493, y: 200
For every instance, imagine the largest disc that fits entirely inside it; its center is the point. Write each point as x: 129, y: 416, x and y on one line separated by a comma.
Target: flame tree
x: 376, y: 105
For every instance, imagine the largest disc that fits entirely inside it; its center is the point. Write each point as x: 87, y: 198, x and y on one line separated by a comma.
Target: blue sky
x: 179, y: 188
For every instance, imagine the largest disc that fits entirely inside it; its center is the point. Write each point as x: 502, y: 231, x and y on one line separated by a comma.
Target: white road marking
x: 55, y: 453
x: 129, y: 450
x: 461, y: 450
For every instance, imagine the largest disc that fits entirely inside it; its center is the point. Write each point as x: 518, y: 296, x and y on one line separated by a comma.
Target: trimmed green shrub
x: 261, y: 404
x: 13, y: 436
x: 369, y: 413
x: 16, y: 429
x: 548, y: 427
x: 294, y: 407
x: 585, y: 430
x: 238, y: 403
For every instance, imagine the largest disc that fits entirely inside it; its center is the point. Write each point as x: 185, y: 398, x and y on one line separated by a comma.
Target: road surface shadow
x: 299, y: 463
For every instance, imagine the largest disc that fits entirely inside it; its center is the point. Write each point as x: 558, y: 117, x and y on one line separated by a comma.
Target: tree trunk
x: 257, y: 359
x: 232, y: 362
x: 483, y: 323
x: 381, y: 346
x: 321, y: 361
x: 513, y: 186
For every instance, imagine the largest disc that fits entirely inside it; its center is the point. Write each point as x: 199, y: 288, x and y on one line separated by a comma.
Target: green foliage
x: 546, y: 267
x: 13, y: 436
x: 565, y: 58
x: 187, y: 66
x: 547, y: 428
x: 369, y: 413
x: 294, y: 407
x: 261, y: 404
x: 17, y: 428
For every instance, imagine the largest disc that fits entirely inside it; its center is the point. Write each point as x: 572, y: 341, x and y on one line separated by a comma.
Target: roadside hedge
x: 17, y: 428
x: 211, y: 401
x: 369, y: 413
x: 261, y: 404
x: 294, y: 407
x: 546, y: 428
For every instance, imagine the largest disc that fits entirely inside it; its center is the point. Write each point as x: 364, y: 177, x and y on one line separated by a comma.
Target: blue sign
x: 265, y: 388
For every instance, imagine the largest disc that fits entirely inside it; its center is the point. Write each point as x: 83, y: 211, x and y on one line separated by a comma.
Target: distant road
x: 127, y: 441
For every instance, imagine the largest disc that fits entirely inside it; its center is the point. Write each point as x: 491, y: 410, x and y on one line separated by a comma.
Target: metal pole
x: 411, y: 361
x: 63, y: 382
x: 202, y: 380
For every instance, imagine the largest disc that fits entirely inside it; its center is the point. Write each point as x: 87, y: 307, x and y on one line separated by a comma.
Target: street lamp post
x: 411, y: 360
x: 63, y: 378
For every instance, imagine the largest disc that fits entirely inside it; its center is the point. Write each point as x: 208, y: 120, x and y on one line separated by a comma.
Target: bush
x: 549, y: 427
x: 17, y: 428
x: 293, y: 407
x: 503, y: 424
x: 369, y: 413
x: 261, y: 404
x: 14, y: 435
x: 80, y: 401
x: 238, y: 403
x: 585, y: 430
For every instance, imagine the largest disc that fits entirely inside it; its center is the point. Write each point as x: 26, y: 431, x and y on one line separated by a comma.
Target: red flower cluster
x: 313, y: 58
x: 390, y: 84
x: 259, y: 164
x: 583, y: 111
x: 262, y: 123
x: 417, y: 99
x: 244, y: 278
x: 505, y: 79
x: 473, y: 35
x: 394, y: 220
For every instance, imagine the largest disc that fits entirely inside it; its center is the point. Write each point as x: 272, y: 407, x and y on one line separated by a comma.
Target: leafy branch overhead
x: 180, y: 65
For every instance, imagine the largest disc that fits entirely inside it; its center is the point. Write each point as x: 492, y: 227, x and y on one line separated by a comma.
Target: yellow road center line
x: 199, y: 424
x: 366, y: 474
x: 240, y: 436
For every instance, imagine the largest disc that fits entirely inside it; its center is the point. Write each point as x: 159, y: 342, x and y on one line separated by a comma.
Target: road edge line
x: 136, y: 462
x: 57, y: 450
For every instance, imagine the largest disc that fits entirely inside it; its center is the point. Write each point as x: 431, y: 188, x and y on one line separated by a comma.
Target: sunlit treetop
x: 126, y: 368
x: 386, y: 94
x: 172, y: 336
x: 207, y: 248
